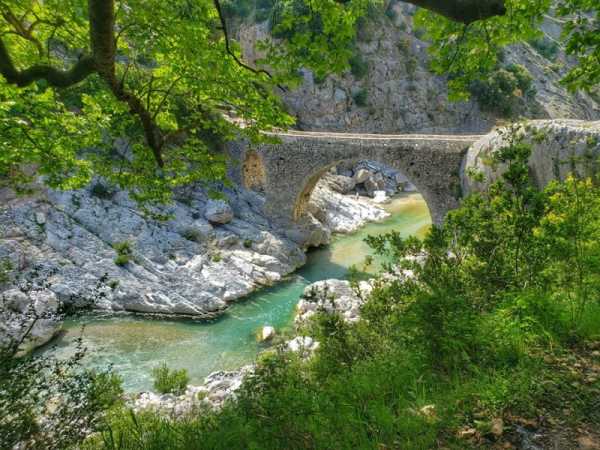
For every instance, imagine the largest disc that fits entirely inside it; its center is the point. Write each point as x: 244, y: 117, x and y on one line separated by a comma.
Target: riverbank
x: 134, y: 345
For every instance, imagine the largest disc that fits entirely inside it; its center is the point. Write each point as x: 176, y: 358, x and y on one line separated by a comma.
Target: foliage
x: 358, y: 66
x: 506, y: 91
x: 470, y: 52
x: 124, y: 253
x: 167, y: 381
x: 361, y: 97
x: 192, y: 234
x: 546, y: 47
x: 488, y: 327
x: 48, y: 403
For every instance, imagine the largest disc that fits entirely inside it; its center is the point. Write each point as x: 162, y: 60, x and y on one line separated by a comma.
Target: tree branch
x: 228, y: 46
x: 465, y: 11
x: 55, y: 77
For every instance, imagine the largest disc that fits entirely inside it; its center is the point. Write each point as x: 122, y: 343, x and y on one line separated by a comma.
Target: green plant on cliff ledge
x: 124, y: 253
x: 506, y: 91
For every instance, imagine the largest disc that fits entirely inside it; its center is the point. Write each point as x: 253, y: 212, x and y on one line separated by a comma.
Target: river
x: 133, y: 345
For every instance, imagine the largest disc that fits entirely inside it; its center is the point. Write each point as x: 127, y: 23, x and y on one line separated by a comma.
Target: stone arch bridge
x: 287, y: 172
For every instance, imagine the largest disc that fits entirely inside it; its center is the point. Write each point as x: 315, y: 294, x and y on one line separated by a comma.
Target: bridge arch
x: 293, y: 167
x: 303, y: 198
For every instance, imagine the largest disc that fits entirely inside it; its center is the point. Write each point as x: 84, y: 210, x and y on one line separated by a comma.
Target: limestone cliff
x: 398, y: 94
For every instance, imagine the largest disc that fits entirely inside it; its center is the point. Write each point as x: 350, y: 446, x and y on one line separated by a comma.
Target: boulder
x: 361, y: 175
x: 380, y: 197
x: 19, y: 311
x: 340, y: 183
x: 218, y: 212
x: 267, y: 333
x: 304, y: 345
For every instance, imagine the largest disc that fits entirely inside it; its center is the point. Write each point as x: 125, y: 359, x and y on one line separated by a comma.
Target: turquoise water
x: 134, y: 345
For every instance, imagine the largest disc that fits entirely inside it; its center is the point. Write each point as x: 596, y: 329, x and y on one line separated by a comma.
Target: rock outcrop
x: 197, y: 257
x: 333, y: 296
x: 28, y: 319
x: 217, y: 388
x: 401, y: 94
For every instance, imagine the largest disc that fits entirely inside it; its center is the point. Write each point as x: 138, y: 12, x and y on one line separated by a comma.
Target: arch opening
x: 360, y: 179
x: 254, y: 175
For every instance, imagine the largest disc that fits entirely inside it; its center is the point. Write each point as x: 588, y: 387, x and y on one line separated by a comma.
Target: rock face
x: 218, y: 387
x: 342, y: 213
x: 36, y: 311
x: 183, y: 265
x: 402, y: 95
x: 555, y: 145
x: 218, y: 212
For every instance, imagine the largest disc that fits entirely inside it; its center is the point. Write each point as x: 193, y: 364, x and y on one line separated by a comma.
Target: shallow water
x: 134, y: 345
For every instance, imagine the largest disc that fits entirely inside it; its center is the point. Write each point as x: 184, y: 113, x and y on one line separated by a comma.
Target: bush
x: 124, y: 253
x: 358, y: 66
x: 236, y: 8
x: 167, y: 381
x: 545, y: 47
x: 506, y: 91
x: 192, y: 234
x: 360, y: 98
x: 102, y: 191
x: 48, y: 403
x: 248, y: 243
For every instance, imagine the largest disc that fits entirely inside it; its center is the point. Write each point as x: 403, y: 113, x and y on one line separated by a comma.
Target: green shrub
x: 391, y: 13
x: 102, y: 191
x: 360, y: 98
x: 358, y: 66
x: 167, y: 381
x: 106, y: 389
x: 192, y: 234
x: 545, y: 47
x: 236, y: 8
x: 506, y: 91
x: 248, y: 243
x: 404, y: 45
x: 124, y: 253
x: 5, y: 270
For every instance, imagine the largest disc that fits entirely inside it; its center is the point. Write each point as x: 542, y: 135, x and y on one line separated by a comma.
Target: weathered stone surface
x: 332, y: 296
x: 361, y: 176
x: 182, y: 266
x: 340, y: 183
x: 32, y: 317
x: 219, y: 212
x: 267, y: 333
x: 294, y: 166
x: 555, y: 144
x: 218, y: 388
x: 403, y: 94
x: 341, y: 213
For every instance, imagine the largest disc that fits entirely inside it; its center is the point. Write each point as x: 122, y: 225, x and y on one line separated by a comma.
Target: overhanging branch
x: 55, y: 77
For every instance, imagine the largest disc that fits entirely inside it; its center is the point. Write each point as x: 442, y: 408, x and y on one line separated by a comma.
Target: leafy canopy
x: 468, y: 52
x: 148, y: 113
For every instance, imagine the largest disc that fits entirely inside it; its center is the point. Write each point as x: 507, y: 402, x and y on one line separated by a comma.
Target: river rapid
x: 133, y: 345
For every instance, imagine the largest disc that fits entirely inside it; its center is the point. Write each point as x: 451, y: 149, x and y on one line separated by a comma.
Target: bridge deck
x: 387, y: 137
